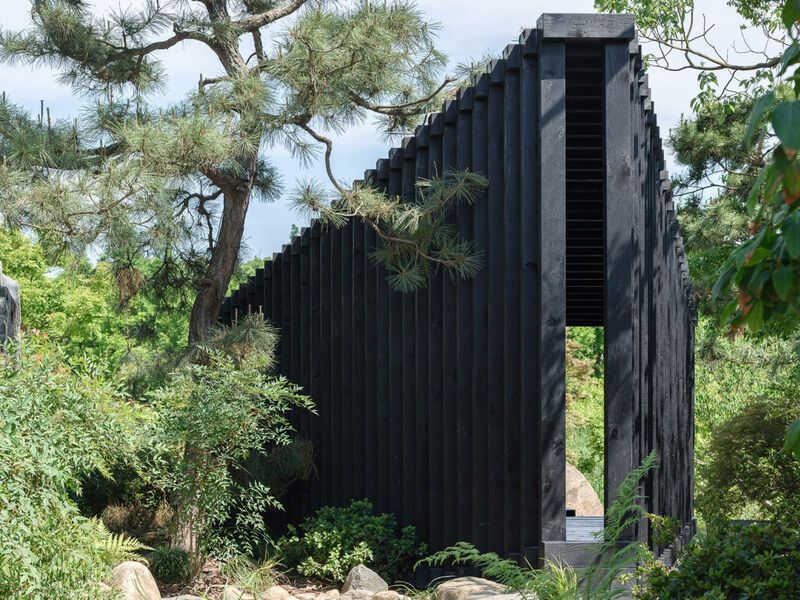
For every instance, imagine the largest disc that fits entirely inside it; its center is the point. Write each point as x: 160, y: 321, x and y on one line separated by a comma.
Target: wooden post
x: 552, y: 290
x: 618, y: 383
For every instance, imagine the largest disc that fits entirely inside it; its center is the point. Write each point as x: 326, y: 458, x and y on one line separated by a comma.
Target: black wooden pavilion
x: 447, y: 406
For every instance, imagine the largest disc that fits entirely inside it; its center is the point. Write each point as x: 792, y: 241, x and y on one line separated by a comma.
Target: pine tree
x: 137, y: 180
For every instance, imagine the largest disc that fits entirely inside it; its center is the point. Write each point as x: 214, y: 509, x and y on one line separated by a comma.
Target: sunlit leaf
x: 786, y: 123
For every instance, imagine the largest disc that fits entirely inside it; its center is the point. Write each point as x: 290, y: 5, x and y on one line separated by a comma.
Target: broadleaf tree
x: 136, y: 179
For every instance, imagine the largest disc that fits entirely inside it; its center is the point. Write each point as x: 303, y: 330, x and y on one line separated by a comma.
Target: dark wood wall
x: 447, y: 406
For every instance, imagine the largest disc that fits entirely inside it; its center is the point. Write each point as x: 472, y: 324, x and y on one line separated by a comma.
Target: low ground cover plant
x: 334, y: 540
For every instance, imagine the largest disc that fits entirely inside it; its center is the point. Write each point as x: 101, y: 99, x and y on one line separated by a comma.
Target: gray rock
x: 364, y: 578
x: 581, y: 495
x: 134, y: 581
x: 9, y: 309
x: 468, y: 588
x: 305, y: 596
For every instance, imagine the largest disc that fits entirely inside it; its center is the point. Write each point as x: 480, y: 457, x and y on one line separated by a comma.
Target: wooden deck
x: 583, y: 529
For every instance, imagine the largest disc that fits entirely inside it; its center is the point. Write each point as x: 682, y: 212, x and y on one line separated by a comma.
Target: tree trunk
x: 214, y: 285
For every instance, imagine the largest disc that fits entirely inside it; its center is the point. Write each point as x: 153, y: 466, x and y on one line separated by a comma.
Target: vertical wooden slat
x: 511, y: 285
x: 435, y: 375
x: 385, y: 489
x: 618, y: 384
x: 421, y: 400
x: 552, y: 290
x: 338, y: 492
x: 529, y: 396
x: 394, y: 190
x: 372, y: 441
x: 316, y: 367
x: 464, y: 327
x: 495, y: 273
x: 408, y: 300
x: 450, y: 400
x: 258, y: 299
x: 347, y: 403
x: 360, y: 425
x: 480, y: 326
x: 324, y: 403
x: 304, y: 416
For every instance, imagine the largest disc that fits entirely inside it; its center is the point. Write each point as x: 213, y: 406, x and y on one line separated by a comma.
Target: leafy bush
x: 335, y: 540
x: 58, y: 422
x: 731, y: 561
x: 746, y: 472
x: 170, y: 565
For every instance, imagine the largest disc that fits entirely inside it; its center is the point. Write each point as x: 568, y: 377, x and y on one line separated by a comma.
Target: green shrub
x: 746, y: 472
x: 731, y: 561
x: 170, y: 565
x: 58, y: 422
x: 335, y: 540
x: 214, y: 410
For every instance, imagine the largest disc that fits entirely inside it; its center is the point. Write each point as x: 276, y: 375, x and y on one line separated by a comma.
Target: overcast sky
x: 468, y: 30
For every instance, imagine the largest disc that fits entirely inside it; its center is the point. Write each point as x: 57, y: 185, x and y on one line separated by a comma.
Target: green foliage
x: 249, y: 576
x: 765, y: 267
x: 90, y: 309
x: 213, y: 411
x: 59, y: 421
x: 663, y: 529
x: 732, y: 371
x: 558, y: 581
x: 170, y: 565
x: 334, y: 540
x: 415, y: 236
x: 746, y: 472
x: 585, y: 420
x: 753, y: 561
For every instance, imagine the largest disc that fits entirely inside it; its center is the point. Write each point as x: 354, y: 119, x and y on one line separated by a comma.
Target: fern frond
x: 118, y: 547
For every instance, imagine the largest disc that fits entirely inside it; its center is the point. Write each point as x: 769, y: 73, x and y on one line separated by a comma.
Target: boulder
x: 276, y: 592
x: 357, y: 595
x: 468, y: 588
x: 184, y: 597
x: 233, y: 593
x: 9, y: 309
x: 305, y: 596
x: 581, y: 495
x: 387, y: 595
x: 134, y: 582
x: 364, y: 578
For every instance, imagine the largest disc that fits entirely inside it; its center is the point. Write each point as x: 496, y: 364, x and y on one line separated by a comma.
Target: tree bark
x: 214, y: 285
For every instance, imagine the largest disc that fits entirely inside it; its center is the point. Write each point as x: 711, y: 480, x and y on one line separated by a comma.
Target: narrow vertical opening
x: 585, y: 281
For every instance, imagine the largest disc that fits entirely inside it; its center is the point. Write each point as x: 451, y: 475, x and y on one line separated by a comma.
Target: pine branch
x: 253, y: 22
